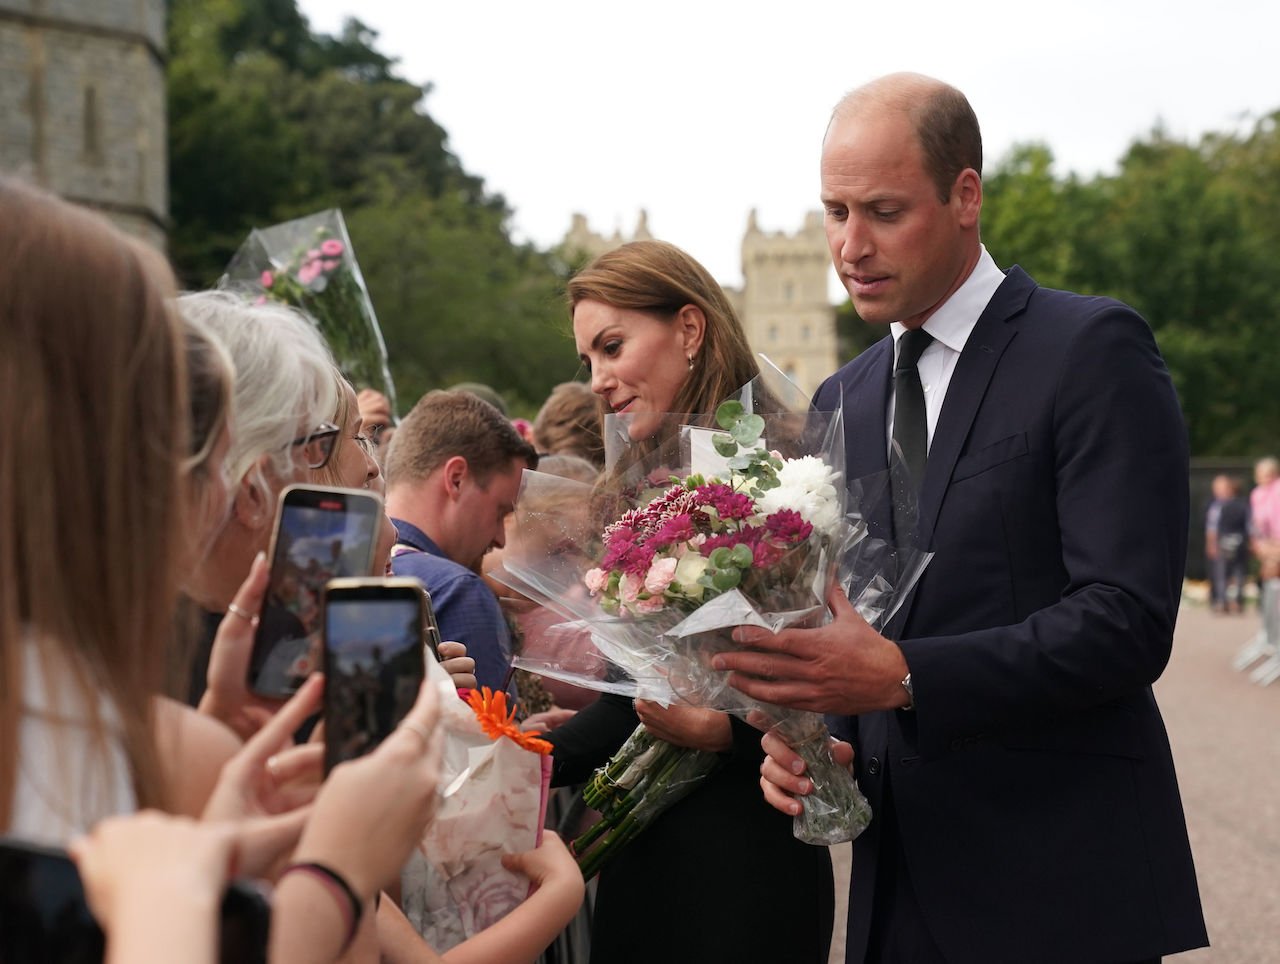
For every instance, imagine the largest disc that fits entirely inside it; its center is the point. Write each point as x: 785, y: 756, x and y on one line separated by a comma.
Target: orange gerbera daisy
x: 490, y: 709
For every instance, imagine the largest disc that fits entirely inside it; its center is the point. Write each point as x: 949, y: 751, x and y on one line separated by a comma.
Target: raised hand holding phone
x: 321, y: 534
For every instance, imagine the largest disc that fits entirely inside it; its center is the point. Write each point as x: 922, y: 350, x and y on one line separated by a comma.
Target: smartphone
x: 44, y: 915
x: 320, y: 534
x: 376, y: 635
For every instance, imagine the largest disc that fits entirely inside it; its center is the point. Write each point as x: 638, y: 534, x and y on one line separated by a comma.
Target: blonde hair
x: 93, y: 381
x: 569, y: 423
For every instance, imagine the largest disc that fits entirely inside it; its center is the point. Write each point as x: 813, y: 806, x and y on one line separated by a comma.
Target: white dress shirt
x: 950, y: 326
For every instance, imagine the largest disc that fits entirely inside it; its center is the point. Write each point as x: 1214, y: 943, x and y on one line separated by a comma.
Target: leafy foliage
x: 270, y: 121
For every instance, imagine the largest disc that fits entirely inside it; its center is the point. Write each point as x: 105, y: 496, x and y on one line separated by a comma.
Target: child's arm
x: 527, y: 931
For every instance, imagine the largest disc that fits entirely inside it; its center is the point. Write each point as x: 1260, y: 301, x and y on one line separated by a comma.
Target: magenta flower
x: 676, y: 529
x: 331, y: 248
x: 727, y: 503
x: 268, y: 279
x: 787, y: 525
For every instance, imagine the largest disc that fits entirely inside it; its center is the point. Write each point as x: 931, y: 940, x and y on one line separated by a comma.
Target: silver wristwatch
x: 911, y: 693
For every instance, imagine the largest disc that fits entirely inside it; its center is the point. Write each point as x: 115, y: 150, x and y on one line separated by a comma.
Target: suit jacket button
x: 873, y: 766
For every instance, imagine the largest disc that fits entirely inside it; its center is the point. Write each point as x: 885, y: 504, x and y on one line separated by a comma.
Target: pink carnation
x: 268, y: 279
x: 651, y: 605
x: 596, y: 580
x: 629, y: 588
x: 308, y: 273
x: 332, y: 248
x: 660, y: 575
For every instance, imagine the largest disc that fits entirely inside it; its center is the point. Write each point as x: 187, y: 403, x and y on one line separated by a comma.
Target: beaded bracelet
x: 343, y: 894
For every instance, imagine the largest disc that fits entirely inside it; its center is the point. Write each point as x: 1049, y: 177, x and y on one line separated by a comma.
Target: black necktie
x: 910, y: 427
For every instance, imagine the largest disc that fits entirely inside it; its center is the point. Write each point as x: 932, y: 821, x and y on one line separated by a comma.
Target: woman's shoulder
x: 193, y: 748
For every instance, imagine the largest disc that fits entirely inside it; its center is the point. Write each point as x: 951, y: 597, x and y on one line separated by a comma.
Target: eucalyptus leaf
x: 742, y: 557
x: 728, y: 413
x: 726, y: 579
x: 720, y: 558
x: 724, y: 445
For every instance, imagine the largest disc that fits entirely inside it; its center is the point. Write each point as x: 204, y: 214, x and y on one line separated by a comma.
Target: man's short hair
x: 446, y: 424
x: 949, y: 137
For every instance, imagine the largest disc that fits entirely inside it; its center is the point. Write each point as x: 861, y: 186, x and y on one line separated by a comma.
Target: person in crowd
x: 1026, y: 804
x: 1226, y: 545
x: 379, y: 422
x: 453, y: 473
x: 96, y: 529
x: 569, y: 424
x: 1264, y: 514
x: 285, y: 394
x: 658, y: 335
x: 528, y: 536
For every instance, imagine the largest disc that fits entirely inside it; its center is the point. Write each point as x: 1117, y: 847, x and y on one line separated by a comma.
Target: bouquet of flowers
x: 309, y: 263
x: 744, y: 531
x: 494, y: 801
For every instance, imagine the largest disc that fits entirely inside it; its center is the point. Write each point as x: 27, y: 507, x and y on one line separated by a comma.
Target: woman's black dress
x: 717, y: 878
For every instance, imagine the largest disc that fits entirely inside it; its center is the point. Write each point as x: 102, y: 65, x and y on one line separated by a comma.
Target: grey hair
x: 284, y: 375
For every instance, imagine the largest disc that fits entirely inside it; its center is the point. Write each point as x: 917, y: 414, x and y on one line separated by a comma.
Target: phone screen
x: 321, y: 534
x: 373, y: 664
x: 44, y: 915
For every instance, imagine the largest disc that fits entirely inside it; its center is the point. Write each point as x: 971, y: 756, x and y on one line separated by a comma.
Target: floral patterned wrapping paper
x: 493, y: 802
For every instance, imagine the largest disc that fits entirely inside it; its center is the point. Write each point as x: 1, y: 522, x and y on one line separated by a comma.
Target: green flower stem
x: 668, y: 774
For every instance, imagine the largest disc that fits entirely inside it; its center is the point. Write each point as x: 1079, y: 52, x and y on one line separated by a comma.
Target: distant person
x: 1226, y: 545
x: 1264, y: 515
x: 379, y: 423
x: 569, y: 423
x: 453, y: 473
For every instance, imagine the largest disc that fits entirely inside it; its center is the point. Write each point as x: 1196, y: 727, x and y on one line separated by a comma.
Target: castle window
x: 92, y: 128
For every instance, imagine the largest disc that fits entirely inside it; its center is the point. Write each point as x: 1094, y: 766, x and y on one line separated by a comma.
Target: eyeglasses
x: 318, y: 445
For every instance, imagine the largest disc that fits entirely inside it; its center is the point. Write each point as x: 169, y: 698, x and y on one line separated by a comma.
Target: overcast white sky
x: 700, y: 110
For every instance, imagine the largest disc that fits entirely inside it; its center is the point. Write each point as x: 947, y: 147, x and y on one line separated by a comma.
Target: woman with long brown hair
x: 658, y: 335
x: 93, y: 384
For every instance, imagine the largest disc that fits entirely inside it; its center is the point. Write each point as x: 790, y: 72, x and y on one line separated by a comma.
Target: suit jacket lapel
x: 866, y: 406
x: 973, y: 371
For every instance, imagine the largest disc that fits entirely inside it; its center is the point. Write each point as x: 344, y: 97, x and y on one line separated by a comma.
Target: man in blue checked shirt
x: 453, y: 472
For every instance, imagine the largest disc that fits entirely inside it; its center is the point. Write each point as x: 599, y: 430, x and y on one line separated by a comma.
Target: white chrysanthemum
x: 807, y: 486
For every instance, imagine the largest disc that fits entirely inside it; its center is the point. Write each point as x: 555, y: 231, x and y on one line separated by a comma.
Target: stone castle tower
x: 783, y: 302
x: 82, y: 105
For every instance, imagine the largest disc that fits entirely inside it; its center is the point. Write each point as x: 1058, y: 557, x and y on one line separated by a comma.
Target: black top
x: 718, y: 877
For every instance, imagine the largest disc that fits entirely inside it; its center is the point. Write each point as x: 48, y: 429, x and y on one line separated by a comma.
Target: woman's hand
x: 154, y: 883
x: 371, y: 812
x: 456, y: 662
x: 548, y: 720
x: 686, y: 726
x: 227, y: 697
x: 272, y: 778
x: 782, y: 773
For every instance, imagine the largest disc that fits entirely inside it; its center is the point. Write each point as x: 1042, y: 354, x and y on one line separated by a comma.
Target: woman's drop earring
x: 690, y: 363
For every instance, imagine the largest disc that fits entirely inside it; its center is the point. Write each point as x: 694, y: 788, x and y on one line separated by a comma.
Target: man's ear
x: 453, y: 474
x: 692, y: 325
x: 966, y: 193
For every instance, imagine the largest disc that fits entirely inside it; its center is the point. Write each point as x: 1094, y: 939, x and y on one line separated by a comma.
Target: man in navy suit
x: 1026, y: 804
